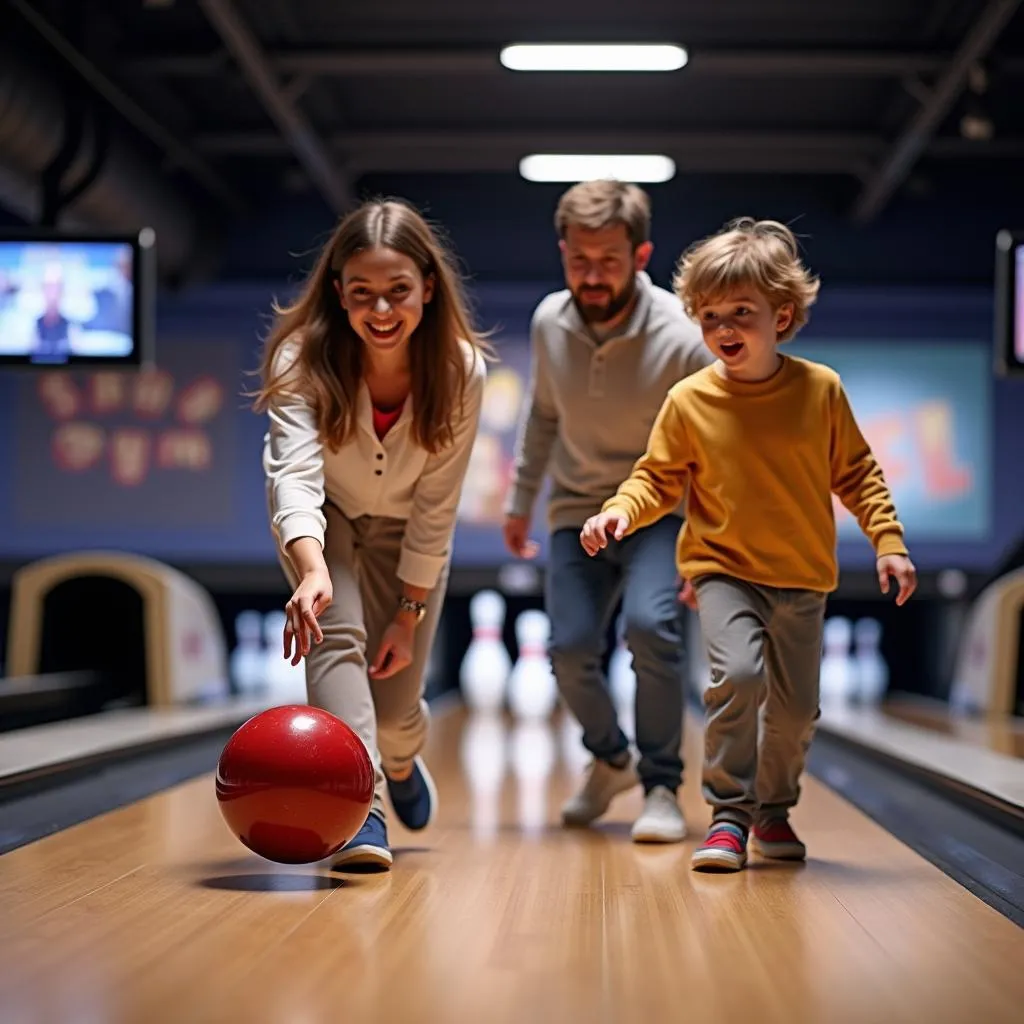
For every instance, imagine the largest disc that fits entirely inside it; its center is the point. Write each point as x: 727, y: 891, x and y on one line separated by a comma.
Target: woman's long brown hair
x: 329, y: 362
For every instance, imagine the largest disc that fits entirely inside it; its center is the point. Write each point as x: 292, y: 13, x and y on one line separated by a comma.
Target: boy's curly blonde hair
x: 761, y: 254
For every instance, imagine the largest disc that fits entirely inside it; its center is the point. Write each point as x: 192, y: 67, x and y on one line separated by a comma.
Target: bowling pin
x: 622, y: 681
x: 532, y: 692
x: 698, y: 669
x: 575, y: 756
x: 869, y: 666
x: 286, y: 682
x: 484, y: 760
x: 837, y: 678
x: 247, y: 659
x: 486, y: 666
x: 533, y: 759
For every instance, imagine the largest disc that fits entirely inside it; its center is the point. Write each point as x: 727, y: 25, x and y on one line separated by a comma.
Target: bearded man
x: 604, y: 353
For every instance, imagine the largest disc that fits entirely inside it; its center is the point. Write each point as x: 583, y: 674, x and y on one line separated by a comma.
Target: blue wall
x: 172, y: 467
x: 935, y: 231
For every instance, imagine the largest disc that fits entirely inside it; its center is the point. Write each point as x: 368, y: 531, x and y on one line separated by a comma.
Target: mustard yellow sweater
x: 762, y: 461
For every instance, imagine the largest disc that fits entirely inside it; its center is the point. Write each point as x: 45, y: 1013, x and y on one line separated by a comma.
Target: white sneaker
x: 661, y: 821
x: 602, y: 784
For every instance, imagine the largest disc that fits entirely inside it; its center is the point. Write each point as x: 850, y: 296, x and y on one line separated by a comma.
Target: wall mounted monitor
x: 1009, y: 297
x: 76, y: 300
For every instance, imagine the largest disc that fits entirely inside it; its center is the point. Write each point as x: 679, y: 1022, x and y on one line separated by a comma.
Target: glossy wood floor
x: 154, y: 914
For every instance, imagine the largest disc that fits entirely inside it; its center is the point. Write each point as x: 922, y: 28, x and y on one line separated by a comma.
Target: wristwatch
x: 418, y: 608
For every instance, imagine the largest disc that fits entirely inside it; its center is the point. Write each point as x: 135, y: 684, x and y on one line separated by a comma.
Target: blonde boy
x: 761, y: 441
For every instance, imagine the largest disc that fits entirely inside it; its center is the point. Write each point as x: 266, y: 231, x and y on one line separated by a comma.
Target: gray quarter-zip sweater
x: 590, y: 406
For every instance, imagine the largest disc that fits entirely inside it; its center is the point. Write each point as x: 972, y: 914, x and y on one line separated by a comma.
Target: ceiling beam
x: 953, y: 147
x: 483, y: 151
x: 302, y: 139
x: 471, y: 151
x: 915, y: 137
x: 368, y: 63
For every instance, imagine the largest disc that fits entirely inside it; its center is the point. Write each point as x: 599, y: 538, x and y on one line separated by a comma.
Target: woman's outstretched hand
x: 395, y: 651
x: 311, y: 598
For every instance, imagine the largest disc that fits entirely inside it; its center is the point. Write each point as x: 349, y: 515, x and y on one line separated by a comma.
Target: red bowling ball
x: 294, y: 784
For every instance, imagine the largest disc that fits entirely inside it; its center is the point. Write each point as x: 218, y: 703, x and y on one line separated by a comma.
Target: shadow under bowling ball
x: 273, y: 882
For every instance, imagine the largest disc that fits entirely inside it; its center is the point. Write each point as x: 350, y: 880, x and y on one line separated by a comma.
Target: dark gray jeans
x: 764, y: 651
x: 581, y: 594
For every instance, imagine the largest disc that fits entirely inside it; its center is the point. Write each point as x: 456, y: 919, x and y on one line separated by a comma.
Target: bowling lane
x: 1003, y: 734
x: 155, y: 913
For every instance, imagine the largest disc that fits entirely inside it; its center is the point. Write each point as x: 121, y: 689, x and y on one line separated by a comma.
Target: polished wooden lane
x: 1002, y: 735
x: 41, y: 749
x: 154, y: 913
x: 970, y: 754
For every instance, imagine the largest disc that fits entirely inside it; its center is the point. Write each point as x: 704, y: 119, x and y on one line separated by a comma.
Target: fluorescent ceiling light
x: 585, y: 167
x: 593, y: 57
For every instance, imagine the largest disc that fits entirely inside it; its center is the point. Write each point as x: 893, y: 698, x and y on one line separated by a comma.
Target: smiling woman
x: 379, y: 289
x: 373, y: 381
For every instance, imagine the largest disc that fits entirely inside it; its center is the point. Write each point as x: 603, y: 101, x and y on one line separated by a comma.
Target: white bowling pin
x: 486, y: 665
x: 286, y: 682
x: 484, y: 760
x: 837, y: 679
x: 248, y: 662
x: 575, y: 756
x: 533, y: 759
x: 532, y: 692
x: 869, y: 666
x: 698, y: 670
x: 622, y: 682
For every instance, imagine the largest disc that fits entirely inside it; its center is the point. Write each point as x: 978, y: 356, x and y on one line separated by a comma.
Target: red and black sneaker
x: 724, y: 848
x: 776, y: 839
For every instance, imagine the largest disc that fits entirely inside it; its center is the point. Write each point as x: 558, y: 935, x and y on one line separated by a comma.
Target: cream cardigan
x: 366, y: 476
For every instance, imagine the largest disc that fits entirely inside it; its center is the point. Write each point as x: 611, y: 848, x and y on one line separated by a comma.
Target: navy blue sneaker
x: 414, y: 798
x: 368, y: 848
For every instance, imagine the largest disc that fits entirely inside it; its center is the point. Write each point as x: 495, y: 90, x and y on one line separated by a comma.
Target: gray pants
x: 389, y: 715
x: 764, y: 650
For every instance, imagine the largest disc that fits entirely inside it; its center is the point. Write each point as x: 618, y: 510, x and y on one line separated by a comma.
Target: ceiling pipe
x: 127, y: 194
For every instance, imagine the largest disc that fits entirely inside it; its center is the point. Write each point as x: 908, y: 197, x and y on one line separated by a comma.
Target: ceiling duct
x: 127, y: 194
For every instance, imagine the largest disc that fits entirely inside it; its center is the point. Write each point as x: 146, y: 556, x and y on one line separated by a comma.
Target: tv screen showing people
x: 1018, y: 318
x: 1009, y: 300
x: 67, y: 301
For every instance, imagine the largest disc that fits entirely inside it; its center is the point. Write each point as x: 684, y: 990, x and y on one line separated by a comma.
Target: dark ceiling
x: 236, y: 103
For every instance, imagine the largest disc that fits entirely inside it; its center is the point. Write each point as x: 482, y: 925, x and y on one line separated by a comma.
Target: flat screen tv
x: 75, y: 299
x: 1009, y: 340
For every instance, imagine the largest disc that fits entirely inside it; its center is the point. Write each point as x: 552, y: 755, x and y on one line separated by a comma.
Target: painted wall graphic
x: 483, y: 493
x: 482, y: 505
x: 108, y: 449
x: 167, y: 462
x: 926, y: 411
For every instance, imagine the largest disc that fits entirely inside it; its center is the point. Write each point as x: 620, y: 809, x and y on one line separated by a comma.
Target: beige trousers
x: 389, y: 715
